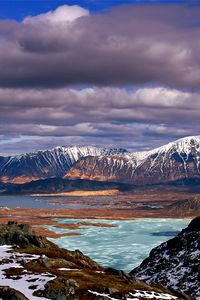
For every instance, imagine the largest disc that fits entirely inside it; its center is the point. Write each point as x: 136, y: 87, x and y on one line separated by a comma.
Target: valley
x: 148, y: 202
x: 123, y: 202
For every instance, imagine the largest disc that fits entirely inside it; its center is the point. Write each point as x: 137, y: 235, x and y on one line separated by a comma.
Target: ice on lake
x: 122, y: 247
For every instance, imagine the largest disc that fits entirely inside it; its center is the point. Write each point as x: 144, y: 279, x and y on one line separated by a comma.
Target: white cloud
x: 161, y: 96
x: 62, y: 15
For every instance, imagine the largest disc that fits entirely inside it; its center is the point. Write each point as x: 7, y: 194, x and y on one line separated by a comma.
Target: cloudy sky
x: 99, y: 72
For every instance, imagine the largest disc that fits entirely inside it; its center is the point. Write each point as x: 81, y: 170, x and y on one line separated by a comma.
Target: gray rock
x: 71, y: 287
x: 126, y: 276
x: 7, y: 293
x: 20, y: 235
x: 67, y: 289
x: 113, y: 291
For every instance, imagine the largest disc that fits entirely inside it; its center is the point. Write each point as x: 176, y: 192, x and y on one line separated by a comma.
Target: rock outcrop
x: 7, y: 293
x: 21, y: 235
x: 175, y: 263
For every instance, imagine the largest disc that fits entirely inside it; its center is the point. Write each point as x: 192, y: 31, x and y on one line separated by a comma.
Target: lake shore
x: 38, y: 218
x: 148, y: 202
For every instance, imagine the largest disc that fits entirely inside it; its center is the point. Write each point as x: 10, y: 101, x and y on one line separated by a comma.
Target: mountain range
x: 177, y: 161
x: 47, y: 164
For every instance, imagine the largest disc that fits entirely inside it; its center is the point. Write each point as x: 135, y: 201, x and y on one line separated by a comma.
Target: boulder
x: 7, y: 293
x: 20, y: 235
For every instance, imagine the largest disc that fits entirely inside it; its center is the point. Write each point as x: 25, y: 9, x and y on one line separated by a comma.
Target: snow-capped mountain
x: 174, y: 161
x: 46, y: 164
x: 179, y: 160
x: 113, y: 168
x: 175, y: 263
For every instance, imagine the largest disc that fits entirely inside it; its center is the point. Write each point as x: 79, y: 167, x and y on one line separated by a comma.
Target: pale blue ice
x: 123, y: 247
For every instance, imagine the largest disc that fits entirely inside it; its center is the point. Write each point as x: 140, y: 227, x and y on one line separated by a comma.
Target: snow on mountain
x: 174, y: 161
x: 186, y: 149
x: 103, y: 168
x: 137, y: 295
x: 175, y: 263
x: 46, y: 164
x: 184, y: 145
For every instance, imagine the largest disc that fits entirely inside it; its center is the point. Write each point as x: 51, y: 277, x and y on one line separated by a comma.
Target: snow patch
x: 22, y: 282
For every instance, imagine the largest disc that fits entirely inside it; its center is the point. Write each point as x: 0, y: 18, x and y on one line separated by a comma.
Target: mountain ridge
x: 61, y: 185
x: 46, y: 164
x: 174, y: 161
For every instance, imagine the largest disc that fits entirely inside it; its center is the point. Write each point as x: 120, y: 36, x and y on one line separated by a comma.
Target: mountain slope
x: 174, y: 161
x: 61, y: 185
x: 187, y: 205
x: 39, y: 269
x: 46, y: 164
x: 115, y: 168
x: 179, y: 160
x: 175, y: 263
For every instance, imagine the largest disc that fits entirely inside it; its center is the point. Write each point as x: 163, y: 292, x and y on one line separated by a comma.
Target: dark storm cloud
x: 129, y: 45
x: 136, y: 119
x: 70, y: 107
x: 59, y: 74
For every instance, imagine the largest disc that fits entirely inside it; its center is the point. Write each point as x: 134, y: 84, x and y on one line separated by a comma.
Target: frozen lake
x: 123, y: 247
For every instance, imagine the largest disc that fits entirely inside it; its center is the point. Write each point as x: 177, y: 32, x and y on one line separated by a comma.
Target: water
x: 70, y: 202
x: 28, y: 202
x: 123, y: 247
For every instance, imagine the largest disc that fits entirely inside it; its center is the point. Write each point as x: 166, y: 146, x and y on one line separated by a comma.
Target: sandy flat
x: 82, y: 193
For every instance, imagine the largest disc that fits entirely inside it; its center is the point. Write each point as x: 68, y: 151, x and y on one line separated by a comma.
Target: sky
x: 105, y: 73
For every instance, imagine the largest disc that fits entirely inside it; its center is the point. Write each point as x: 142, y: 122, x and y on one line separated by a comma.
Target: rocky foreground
x: 175, y: 263
x: 31, y: 267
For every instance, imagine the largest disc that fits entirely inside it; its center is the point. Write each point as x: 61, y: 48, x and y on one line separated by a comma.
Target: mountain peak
x: 183, y: 145
x: 189, y: 141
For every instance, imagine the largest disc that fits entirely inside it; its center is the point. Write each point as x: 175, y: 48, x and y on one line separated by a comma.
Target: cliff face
x: 175, y: 263
x: 21, y: 235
